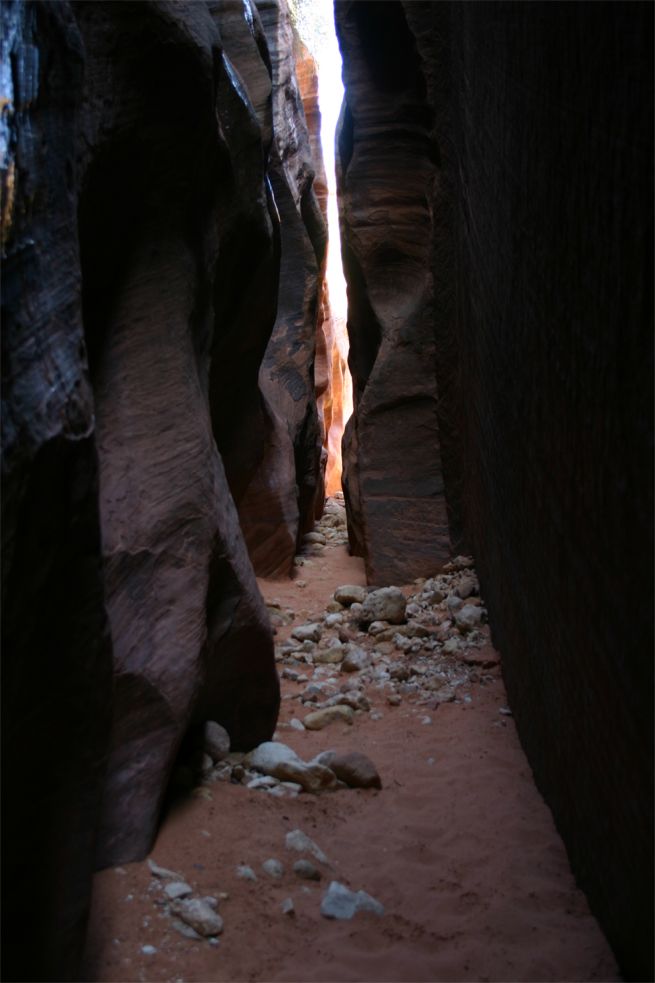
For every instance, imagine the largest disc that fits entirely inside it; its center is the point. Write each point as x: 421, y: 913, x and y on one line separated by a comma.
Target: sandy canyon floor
x: 458, y: 846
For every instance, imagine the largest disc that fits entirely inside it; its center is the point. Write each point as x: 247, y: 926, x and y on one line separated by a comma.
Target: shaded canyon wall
x: 143, y: 189
x: 496, y: 195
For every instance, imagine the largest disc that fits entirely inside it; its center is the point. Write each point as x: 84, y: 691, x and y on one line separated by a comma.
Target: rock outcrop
x: 280, y: 500
x: 496, y: 207
x: 141, y: 268
x: 386, y: 168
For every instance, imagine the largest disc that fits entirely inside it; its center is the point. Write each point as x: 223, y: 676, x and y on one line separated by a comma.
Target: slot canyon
x: 327, y: 632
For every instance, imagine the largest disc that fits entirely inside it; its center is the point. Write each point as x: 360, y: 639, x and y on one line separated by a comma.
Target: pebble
x: 296, y: 724
x: 342, y: 903
x: 333, y: 619
x: 161, y: 872
x: 356, y: 659
x: 506, y: 712
x: 349, y: 594
x: 199, y: 916
x: 426, y: 720
x: 297, y: 840
x: 353, y: 768
x: 216, y: 741
x: 385, y: 604
x: 307, y: 633
x: 177, y: 889
x: 273, y: 868
x: 469, y: 617
x: 287, y: 907
x: 306, y: 869
x: 246, y: 873
x: 319, y: 719
x: 148, y: 950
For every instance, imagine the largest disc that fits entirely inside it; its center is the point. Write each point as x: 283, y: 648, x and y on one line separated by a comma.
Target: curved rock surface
x: 496, y: 258
x: 393, y: 488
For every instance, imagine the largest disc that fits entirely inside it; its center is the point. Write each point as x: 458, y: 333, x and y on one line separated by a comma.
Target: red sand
x: 462, y: 852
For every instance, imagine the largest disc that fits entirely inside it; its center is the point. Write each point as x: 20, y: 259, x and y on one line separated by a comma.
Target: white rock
x: 162, y: 872
x: 287, y: 907
x: 148, y: 950
x: 199, y: 916
x: 333, y: 619
x: 246, y: 873
x: 268, y: 756
x: 355, y: 660
x: 177, y: 889
x: 273, y: 868
x: 342, y: 903
x: 469, y: 617
x: 216, y: 741
x: 307, y: 633
x: 385, y: 604
x: 264, y: 781
x: 349, y: 594
x: 296, y: 724
x: 297, y: 840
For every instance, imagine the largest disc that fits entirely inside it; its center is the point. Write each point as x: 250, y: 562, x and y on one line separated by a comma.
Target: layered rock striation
x: 142, y: 251
x: 386, y: 174
x: 497, y: 213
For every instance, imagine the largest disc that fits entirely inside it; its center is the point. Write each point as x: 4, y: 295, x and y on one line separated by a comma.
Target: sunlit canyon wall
x: 496, y: 206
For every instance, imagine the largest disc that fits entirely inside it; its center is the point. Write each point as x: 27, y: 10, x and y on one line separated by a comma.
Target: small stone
x: 177, y: 889
x: 148, y: 950
x: 296, y: 724
x: 394, y: 700
x: 349, y: 594
x: 331, y: 656
x: 307, y: 633
x: 426, y: 720
x: 287, y: 907
x: 466, y: 587
x: 246, y: 873
x: 306, y: 870
x: 469, y: 617
x: 506, y: 712
x: 297, y: 840
x: 264, y: 781
x: 273, y: 868
x: 342, y: 903
x: 216, y: 741
x: 355, y: 660
x: 333, y: 619
x: 315, y: 537
x: 301, y: 583
x: 268, y: 756
x: 162, y: 872
x: 385, y: 604
x: 321, y: 718
x: 452, y: 645
x: 454, y: 603
x: 353, y: 768
x: 185, y: 930
x: 377, y: 627
x: 199, y: 916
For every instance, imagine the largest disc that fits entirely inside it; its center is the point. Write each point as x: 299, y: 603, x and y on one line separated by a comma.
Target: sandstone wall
x: 141, y: 268
x: 534, y: 123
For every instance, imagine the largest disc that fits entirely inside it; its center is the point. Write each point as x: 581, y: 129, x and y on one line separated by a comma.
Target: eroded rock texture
x: 140, y: 278
x: 527, y: 129
x: 273, y: 460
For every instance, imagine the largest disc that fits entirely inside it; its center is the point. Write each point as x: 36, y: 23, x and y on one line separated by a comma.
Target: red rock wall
x: 140, y: 290
x: 537, y: 121
x: 386, y: 171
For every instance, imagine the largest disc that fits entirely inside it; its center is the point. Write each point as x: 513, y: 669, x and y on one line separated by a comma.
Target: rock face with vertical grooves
x: 140, y: 278
x: 394, y: 489
x: 537, y: 122
x: 287, y: 373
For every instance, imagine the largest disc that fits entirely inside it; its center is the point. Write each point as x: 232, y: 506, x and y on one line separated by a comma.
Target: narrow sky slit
x: 315, y: 23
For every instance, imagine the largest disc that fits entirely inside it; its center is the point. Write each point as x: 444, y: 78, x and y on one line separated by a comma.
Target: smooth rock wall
x: 386, y: 171
x: 540, y: 124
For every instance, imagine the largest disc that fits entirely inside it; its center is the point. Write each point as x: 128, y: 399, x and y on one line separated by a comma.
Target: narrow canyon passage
x: 457, y: 845
x: 291, y: 692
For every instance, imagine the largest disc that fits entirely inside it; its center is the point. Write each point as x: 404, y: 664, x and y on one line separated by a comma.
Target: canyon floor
x: 458, y: 845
